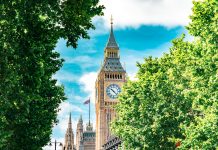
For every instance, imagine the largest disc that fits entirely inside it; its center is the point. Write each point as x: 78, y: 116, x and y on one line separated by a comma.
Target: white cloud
x: 77, y: 60
x: 87, y: 82
x: 83, y: 61
x: 66, y: 107
x: 65, y: 76
x: 100, y: 25
x: 132, y: 77
x: 133, y: 13
x: 71, y: 96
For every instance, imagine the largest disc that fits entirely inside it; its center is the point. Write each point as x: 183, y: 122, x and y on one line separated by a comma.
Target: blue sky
x: 139, y: 34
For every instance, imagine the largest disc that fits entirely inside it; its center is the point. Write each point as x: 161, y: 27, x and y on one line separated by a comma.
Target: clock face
x: 113, y: 90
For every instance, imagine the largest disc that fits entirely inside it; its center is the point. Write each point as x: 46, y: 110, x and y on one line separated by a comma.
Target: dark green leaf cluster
x: 29, y: 96
x: 175, y: 98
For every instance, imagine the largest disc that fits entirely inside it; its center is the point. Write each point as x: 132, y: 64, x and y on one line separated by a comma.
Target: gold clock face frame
x: 113, y: 91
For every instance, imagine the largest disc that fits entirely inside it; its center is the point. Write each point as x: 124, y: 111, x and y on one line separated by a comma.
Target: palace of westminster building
x: 109, y: 82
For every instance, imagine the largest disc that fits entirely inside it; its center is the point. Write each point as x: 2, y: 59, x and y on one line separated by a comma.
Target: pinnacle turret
x: 80, y: 119
x: 69, y: 136
x: 70, y: 122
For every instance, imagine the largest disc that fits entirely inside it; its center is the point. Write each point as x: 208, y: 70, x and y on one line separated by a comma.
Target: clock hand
x: 114, y: 91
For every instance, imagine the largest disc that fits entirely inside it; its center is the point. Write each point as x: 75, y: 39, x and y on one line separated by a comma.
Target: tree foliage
x: 29, y: 96
x: 175, y: 97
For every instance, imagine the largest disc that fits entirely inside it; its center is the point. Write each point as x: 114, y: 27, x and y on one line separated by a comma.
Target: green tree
x: 29, y: 97
x: 175, y: 96
x: 202, y: 133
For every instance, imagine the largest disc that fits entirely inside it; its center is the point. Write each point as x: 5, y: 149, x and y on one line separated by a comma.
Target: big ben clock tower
x: 110, y: 80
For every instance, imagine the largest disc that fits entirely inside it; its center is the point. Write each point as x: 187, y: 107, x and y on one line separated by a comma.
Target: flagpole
x: 89, y: 111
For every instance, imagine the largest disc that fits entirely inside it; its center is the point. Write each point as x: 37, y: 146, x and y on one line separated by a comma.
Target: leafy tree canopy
x: 175, y: 97
x: 29, y: 96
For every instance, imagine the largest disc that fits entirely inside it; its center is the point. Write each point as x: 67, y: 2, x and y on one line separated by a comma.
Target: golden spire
x: 111, y: 20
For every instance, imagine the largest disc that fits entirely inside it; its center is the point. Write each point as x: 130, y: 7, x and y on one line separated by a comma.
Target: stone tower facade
x: 85, y: 139
x: 110, y: 80
x: 79, y: 134
x: 69, y: 137
x: 89, y: 137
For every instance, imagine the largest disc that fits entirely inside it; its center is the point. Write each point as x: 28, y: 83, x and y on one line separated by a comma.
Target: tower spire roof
x: 70, y: 123
x: 111, y: 41
x: 80, y: 119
